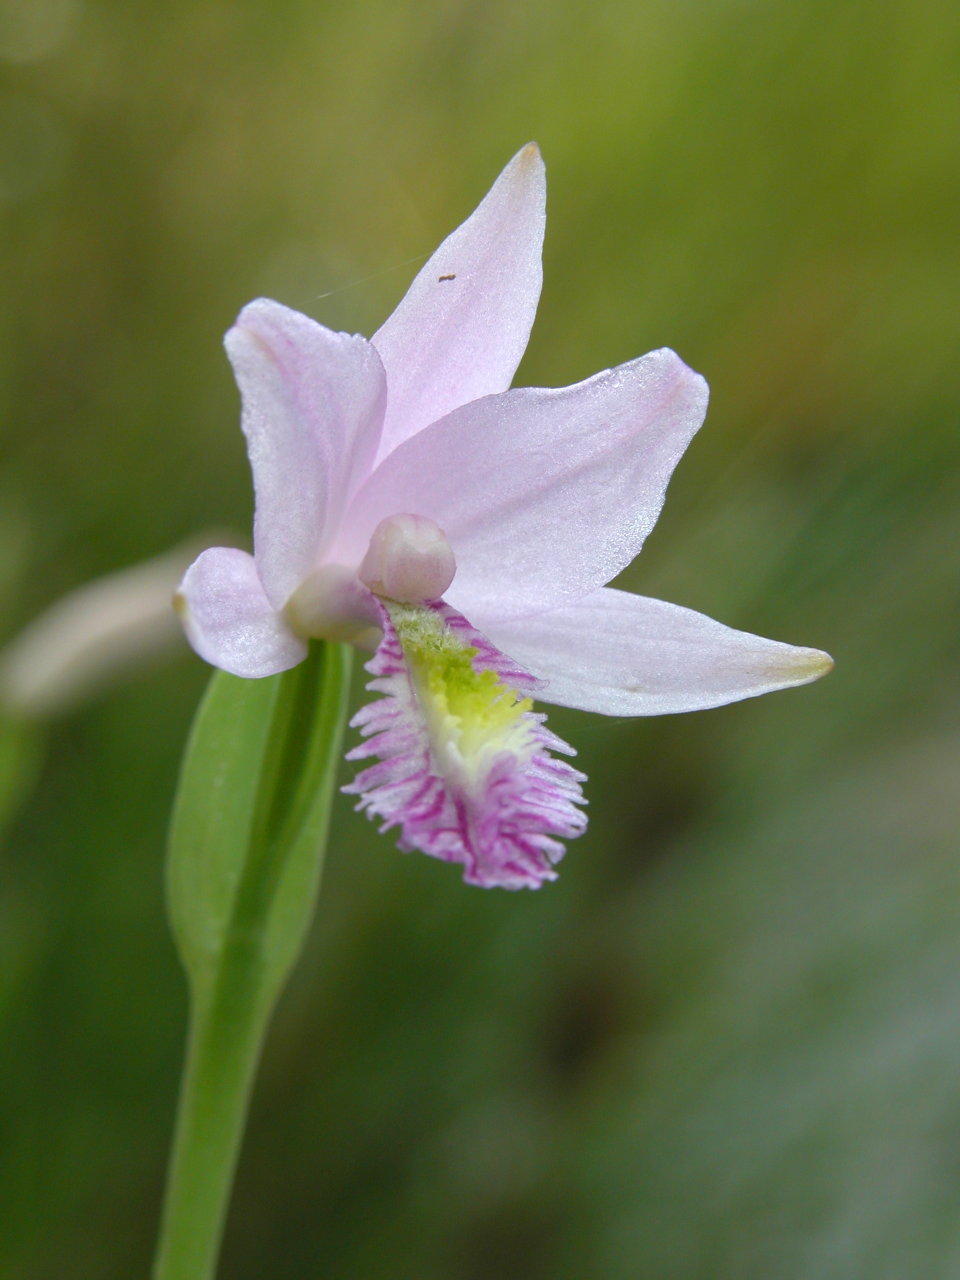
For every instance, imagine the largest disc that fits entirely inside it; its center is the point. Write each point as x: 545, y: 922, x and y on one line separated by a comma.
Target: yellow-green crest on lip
x: 473, y: 709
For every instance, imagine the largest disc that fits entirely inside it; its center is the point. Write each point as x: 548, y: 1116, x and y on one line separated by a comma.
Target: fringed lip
x: 463, y: 767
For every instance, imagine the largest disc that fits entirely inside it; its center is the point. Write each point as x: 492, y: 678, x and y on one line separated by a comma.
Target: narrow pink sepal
x: 504, y: 826
x: 465, y: 321
x: 626, y: 655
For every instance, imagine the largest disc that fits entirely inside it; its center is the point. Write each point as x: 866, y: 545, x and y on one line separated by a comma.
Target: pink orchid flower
x: 402, y: 489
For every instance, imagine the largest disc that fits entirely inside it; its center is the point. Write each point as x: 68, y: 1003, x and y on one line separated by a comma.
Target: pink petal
x: 229, y: 620
x: 499, y: 806
x: 627, y: 655
x: 464, y: 324
x: 313, y: 405
x: 544, y: 495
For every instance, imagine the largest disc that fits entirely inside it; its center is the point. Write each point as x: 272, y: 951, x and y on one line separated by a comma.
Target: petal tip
x: 803, y: 666
x: 244, y: 334
x: 530, y: 154
x: 251, y: 315
x: 818, y: 663
x: 260, y: 325
x: 526, y: 175
x: 681, y: 369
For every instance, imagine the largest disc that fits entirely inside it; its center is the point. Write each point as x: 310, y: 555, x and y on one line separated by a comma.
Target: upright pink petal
x: 464, y: 324
x: 544, y: 495
x: 464, y: 767
x: 313, y: 403
x: 229, y: 620
x: 627, y: 655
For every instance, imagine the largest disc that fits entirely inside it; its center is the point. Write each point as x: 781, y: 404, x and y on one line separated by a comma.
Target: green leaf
x: 246, y: 850
x: 305, y: 817
x: 251, y: 815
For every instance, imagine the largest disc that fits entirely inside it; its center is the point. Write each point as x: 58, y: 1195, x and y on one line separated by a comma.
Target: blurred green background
x: 725, y: 1045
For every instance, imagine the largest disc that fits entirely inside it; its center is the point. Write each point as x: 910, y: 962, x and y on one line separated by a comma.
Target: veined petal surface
x: 627, y: 655
x: 229, y: 620
x: 313, y: 403
x: 464, y: 324
x: 544, y: 494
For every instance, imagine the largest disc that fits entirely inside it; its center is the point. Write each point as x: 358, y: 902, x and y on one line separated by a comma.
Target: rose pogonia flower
x: 406, y: 498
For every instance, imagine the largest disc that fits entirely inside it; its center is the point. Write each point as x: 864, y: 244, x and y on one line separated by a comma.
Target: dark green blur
x: 725, y: 1045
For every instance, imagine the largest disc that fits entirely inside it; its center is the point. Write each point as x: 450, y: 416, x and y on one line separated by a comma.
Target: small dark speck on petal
x: 451, y: 276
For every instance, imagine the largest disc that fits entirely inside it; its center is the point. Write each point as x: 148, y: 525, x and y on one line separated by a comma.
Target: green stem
x: 229, y: 1016
x: 223, y: 1051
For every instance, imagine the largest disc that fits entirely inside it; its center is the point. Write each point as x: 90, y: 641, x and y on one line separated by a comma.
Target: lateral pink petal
x: 464, y: 324
x: 229, y: 620
x: 543, y: 494
x: 627, y: 655
x: 313, y: 403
